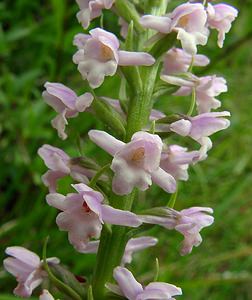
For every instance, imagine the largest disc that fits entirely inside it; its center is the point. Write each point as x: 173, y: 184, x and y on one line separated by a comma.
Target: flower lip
x: 138, y: 154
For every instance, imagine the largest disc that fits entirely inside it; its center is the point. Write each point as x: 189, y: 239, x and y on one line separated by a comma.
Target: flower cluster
x: 97, y: 215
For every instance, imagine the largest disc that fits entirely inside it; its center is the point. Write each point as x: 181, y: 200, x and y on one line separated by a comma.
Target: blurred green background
x: 36, y: 46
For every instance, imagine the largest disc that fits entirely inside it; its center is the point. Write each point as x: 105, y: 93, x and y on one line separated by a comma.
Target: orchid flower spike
x: 220, y: 17
x: 66, y: 103
x: 188, y: 20
x: 206, y: 89
x: 99, y: 55
x: 189, y: 222
x: 201, y: 127
x: 60, y: 165
x: 91, y: 9
x: 46, y: 296
x: 135, y: 164
x: 133, y: 245
x: 26, y: 266
x: 83, y: 215
x: 131, y: 289
x: 175, y: 160
x: 177, y: 61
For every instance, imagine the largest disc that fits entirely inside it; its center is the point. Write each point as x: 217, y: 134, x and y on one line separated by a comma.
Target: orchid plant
x: 154, y: 56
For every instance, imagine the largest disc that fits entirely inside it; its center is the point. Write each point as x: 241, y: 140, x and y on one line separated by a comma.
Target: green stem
x: 173, y: 199
x: 193, y: 101
x: 98, y: 175
x: 111, y: 248
x: 191, y: 64
x: 128, y: 12
x: 141, y: 103
x: 59, y: 284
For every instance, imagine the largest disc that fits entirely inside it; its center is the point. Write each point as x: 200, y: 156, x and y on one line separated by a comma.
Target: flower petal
x: 119, y: 217
x: 28, y: 257
x: 105, y: 141
x: 127, y: 58
x: 161, y: 24
x: 164, y: 180
x: 127, y: 283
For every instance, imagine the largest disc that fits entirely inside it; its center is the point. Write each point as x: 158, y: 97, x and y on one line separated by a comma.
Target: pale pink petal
x: 54, y: 158
x: 34, y: 280
x: 24, y: 255
x: 80, y: 40
x: 56, y: 200
x: 50, y: 179
x: 164, y: 180
x: 127, y: 177
x: 105, y: 141
x: 156, y: 115
x: 175, y: 80
x: 119, y: 217
x: 127, y: 58
x: 62, y: 93
x: 83, y: 102
x: 137, y: 244
x: 59, y: 123
x: 91, y: 247
x: 17, y: 268
x: 170, y: 288
x: 181, y: 127
x: 82, y: 188
x: 161, y: 24
x: 127, y: 283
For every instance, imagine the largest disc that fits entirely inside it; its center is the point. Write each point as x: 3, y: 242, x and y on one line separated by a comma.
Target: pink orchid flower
x: 99, y: 56
x: 83, y: 214
x: 66, y: 103
x: 175, y: 160
x: 188, y: 20
x: 189, y: 222
x: 206, y: 89
x: 131, y: 289
x: 135, y: 164
x: 201, y: 127
x: 26, y: 266
x: 60, y: 165
x: 220, y: 17
x: 91, y: 9
x: 178, y: 61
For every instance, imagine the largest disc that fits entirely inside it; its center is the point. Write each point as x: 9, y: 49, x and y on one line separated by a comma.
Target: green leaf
x: 131, y: 74
x: 64, y: 288
x: 109, y: 116
x: 164, y: 43
x: 90, y: 293
x: 128, y: 12
x: 68, y: 278
x: 157, y: 270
